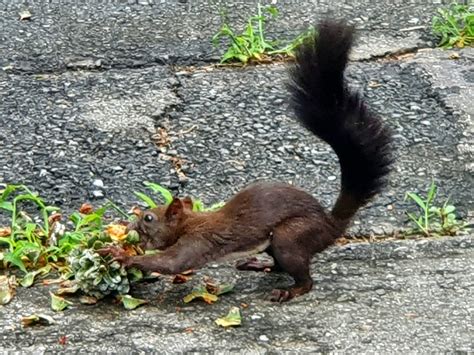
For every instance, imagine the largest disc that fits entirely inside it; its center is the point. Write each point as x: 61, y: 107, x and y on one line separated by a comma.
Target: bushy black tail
x: 324, y: 104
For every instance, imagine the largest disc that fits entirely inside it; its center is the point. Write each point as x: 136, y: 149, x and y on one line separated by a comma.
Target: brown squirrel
x: 280, y: 219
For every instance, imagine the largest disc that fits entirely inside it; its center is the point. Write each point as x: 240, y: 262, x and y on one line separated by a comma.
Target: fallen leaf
x: 5, y: 232
x: 55, y: 217
x: 180, y: 279
x: 232, y: 319
x: 374, y: 84
x: 88, y: 300
x: 24, y: 14
x: 62, y: 340
x: 244, y: 305
x: 36, y: 319
x: 188, y: 330
x: 131, y: 303
x: 67, y: 290
x: 86, y: 208
x: 200, y: 292
x: 454, y: 55
x: 48, y: 282
x: 29, y: 279
x: 7, y: 288
x: 217, y: 289
x: 58, y: 303
x: 116, y: 231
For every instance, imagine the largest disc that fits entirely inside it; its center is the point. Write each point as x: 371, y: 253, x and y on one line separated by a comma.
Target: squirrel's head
x: 160, y: 227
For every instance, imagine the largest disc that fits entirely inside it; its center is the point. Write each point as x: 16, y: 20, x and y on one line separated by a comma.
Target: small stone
x: 332, y: 178
x: 263, y: 338
x: 97, y: 194
x: 98, y: 183
x: 380, y: 292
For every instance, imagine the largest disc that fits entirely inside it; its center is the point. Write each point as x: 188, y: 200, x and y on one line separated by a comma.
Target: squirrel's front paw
x: 117, y: 254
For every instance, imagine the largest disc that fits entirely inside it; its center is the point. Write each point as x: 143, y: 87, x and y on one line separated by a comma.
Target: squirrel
x: 281, y: 219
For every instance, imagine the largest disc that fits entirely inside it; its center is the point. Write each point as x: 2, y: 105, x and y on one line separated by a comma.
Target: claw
x: 278, y: 295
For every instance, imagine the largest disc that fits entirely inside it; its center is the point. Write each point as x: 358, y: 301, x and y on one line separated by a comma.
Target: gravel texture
x: 103, y: 34
x: 402, y: 296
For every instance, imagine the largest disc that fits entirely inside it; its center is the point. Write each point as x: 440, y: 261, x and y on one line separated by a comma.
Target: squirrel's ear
x: 174, y: 209
x: 188, y: 203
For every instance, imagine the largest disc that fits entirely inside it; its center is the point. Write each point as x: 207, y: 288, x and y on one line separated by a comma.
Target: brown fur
x: 281, y: 219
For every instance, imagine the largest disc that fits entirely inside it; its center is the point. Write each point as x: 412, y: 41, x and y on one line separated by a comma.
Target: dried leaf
x: 202, y: 293
x: 29, y: 279
x: 68, y: 290
x: 86, y: 208
x: 36, y: 319
x: 24, y: 14
x: 7, y: 288
x: 5, y: 232
x: 58, y: 303
x: 131, y: 303
x: 88, y: 300
x: 116, y: 231
x: 55, y: 217
x: 232, y: 319
x: 135, y: 210
x: 48, y: 282
x: 62, y: 340
x: 180, y: 279
x: 217, y: 289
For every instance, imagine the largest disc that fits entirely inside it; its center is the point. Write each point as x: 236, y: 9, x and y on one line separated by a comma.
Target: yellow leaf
x: 232, y: 319
x: 117, y: 232
x: 202, y: 293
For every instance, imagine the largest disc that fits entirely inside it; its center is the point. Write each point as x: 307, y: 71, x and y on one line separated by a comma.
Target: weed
x: 433, y: 220
x: 34, y: 243
x: 167, y: 196
x: 252, y: 44
x: 455, y: 25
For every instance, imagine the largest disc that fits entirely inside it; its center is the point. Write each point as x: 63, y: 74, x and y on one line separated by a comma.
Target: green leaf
x: 431, y: 193
x: 131, y: 303
x: 150, y: 203
x: 167, y: 195
x: 417, y: 199
x: 15, y: 259
x: 232, y: 319
x: 273, y: 11
x: 28, y: 279
x: 6, y: 205
x: 134, y: 274
x: 449, y: 209
x: 58, y: 303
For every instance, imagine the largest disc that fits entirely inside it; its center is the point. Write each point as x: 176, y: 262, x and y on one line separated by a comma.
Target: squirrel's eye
x: 148, y: 218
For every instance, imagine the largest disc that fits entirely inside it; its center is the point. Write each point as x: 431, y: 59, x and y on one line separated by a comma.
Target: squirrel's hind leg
x: 292, y: 247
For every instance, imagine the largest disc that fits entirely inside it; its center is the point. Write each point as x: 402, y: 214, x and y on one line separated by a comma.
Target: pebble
x: 98, y: 183
x: 263, y: 338
x: 98, y: 194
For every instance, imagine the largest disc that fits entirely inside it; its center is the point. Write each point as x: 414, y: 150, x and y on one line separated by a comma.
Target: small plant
x: 251, y: 44
x: 32, y: 242
x: 167, y: 196
x: 455, y: 26
x: 433, y: 220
